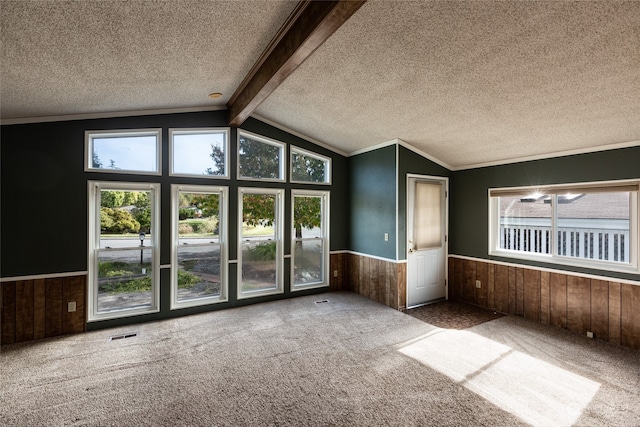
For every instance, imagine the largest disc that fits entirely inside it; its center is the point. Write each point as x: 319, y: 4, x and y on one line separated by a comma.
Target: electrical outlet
x: 478, y: 284
x: 335, y: 273
x: 589, y: 334
x: 71, y: 306
x: 386, y: 237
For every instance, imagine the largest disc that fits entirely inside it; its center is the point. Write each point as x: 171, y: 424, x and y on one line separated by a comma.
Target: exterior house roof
x: 613, y: 205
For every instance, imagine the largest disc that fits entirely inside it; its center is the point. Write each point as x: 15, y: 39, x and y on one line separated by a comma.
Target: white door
x: 426, y: 234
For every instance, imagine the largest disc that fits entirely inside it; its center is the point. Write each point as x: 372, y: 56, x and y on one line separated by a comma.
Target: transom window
x: 260, y: 158
x: 199, y: 273
x: 125, y: 151
x: 199, y: 152
x: 592, y: 225
x: 309, y: 167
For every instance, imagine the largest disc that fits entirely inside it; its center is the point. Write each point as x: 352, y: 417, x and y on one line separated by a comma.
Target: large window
x: 309, y: 167
x: 310, y: 246
x: 125, y: 151
x: 123, y: 249
x: 199, y: 257
x: 260, y: 257
x: 592, y: 225
x: 199, y: 152
x: 260, y: 158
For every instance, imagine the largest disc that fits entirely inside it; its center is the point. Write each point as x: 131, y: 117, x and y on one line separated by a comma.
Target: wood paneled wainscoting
x: 38, y: 308
x: 381, y: 280
x: 607, y: 308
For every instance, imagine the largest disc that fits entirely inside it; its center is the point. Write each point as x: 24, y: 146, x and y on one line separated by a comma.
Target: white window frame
x: 90, y: 135
x: 554, y: 190
x: 279, y: 237
x: 223, y: 209
x: 326, y: 160
x: 94, y: 189
x: 283, y: 155
x: 199, y: 131
x: 325, y: 195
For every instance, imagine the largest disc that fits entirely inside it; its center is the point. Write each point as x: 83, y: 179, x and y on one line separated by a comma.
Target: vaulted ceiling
x: 466, y: 83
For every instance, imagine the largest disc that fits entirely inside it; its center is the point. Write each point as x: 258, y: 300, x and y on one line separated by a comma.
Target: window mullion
x: 555, y: 241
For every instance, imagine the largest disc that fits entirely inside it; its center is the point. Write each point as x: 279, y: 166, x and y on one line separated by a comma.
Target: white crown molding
x: 551, y: 155
x: 373, y: 147
x: 425, y: 155
x: 107, y: 115
x: 406, y: 145
x: 298, y: 134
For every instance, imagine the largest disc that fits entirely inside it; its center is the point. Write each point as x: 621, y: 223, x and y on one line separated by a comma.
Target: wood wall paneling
x: 512, y: 290
x: 614, y: 312
x: 335, y: 264
x: 364, y: 276
x: 630, y: 316
x: 610, y: 310
x: 73, y: 289
x: 451, y: 274
x: 544, y: 297
x: 558, y: 299
x: 377, y: 279
x: 532, y: 294
x: 34, y: 309
x: 600, y: 309
x: 374, y: 291
x: 482, y: 274
x: 402, y: 286
x: 501, y: 288
x: 491, y: 287
x: 53, y: 307
x: 391, y: 285
x: 458, y: 282
x: 578, y: 304
x: 469, y: 281
x: 39, y: 309
x: 8, y: 313
x: 354, y: 273
x: 24, y: 310
x: 519, y: 291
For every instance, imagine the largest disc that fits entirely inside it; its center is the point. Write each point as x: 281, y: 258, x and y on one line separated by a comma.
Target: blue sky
x: 192, y: 152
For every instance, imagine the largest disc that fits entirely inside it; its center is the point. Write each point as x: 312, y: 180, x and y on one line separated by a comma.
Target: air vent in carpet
x: 322, y: 301
x: 123, y: 336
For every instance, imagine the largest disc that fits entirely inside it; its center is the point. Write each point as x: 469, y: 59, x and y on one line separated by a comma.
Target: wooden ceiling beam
x: 307, y: 28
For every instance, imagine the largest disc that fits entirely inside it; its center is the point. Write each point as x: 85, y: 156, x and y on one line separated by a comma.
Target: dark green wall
x: 410, y: 162
x: 469, y: 194
x: 373, y: 202
x: 43, y: 227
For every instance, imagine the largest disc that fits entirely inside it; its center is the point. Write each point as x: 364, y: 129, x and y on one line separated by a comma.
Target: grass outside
x: 259, y: 230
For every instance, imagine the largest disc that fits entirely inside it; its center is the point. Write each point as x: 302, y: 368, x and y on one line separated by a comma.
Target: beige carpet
x: 349, y: 361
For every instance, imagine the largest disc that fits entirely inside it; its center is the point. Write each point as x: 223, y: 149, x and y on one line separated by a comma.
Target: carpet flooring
x: 347, y: 362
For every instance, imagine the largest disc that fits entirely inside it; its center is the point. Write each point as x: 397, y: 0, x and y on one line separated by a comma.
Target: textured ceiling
x: 465, y: 82
x: 72, y: 57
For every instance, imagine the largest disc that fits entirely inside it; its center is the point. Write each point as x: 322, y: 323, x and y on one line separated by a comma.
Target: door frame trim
x: 445, y: 181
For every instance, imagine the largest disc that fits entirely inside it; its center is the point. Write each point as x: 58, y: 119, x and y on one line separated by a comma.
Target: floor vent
x: 322, y: 301
x: 123, y: 336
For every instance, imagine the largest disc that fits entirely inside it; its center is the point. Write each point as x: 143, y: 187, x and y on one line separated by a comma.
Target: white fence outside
x: 606, y: 240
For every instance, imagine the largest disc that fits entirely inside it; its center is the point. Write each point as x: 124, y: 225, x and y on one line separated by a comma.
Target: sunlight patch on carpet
x: 538, y: 392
